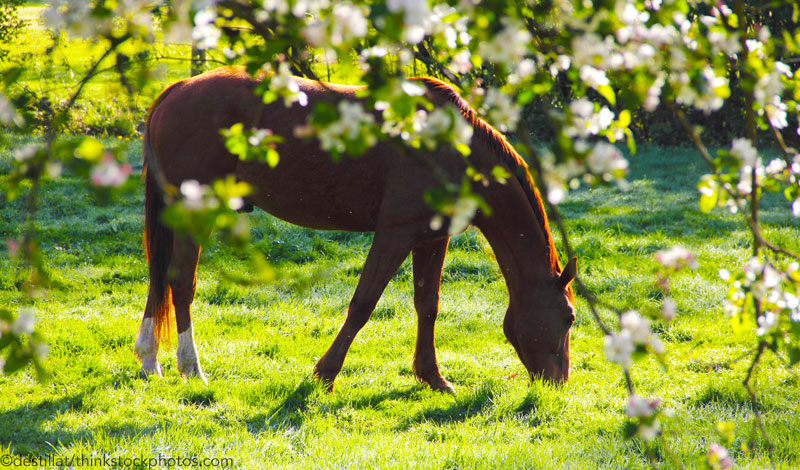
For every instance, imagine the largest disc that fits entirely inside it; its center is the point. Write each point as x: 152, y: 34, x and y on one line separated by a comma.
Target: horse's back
x: 306, y: 187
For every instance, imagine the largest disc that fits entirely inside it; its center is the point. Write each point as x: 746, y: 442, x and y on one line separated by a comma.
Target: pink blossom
x: 641, y: 407
x: 13, y: 247
x: 109, y: 173
x: 718, y: 457
x: 668, y: 309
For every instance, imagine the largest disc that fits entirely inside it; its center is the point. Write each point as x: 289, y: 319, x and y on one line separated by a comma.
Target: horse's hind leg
x: 389, y: 249
x: 183, y: 279
x: 146, y: 346
x: 428, y: 259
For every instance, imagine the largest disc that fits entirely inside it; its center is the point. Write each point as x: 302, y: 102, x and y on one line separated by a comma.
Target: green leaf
x: 794, y: 354
x: 631, y: 141
x: 709, y: 201
x: 624, y: 118
x: 272, y: 157
x: 463, y: 149
x: 90, y: 150
x: 525, y: 97
x: 500, y: 174
x: 11, y: 75
x: 608, y: 93
x: 629, y: 429
x: 709, y: 193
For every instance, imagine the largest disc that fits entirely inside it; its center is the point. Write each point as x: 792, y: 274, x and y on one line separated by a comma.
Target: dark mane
x: 492, y: 138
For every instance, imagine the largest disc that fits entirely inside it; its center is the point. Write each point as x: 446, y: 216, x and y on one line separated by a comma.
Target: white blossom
x: 776, y: 113
x: 649, y: 432
x: 192, y: 190
x: 347, y: 23
x: 767, y: 323
x: 461, y: 61
x: 605, y: 159
x: 415, y: 13
x: 593, y: 77
x: 775, y: 167
x: 638, y: 326
x: 640, y: 407
x: 441, y: 124
x: 41, y: 349
x: 24, y: 323
x: 677, y: 257
x: 197, y: 197
x: 463, y: 211
x: 725, y: 43
x: 303, y: 7
x: 509, y: 46
x: 284, y: 84
x: 619, y: 347
x: 668, y: 309
x: 412, y: 88
x: 502, y: 111
x: 705, y: 96
x: 205, y: 33
x: 437, y: 221
x: 25, y: 153
x: 352, y: 119
x: 742, y: 149
x: 654, y: 94
x: 584, y: 122
x: 7, y: 112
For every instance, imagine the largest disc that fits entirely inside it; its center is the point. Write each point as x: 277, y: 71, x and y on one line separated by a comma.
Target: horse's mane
x: 498, y: 144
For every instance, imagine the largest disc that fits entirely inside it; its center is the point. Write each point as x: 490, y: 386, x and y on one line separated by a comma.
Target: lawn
x: 258, y: 344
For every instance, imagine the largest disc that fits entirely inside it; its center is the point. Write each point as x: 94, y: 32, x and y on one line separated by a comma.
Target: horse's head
x: 538, y: 327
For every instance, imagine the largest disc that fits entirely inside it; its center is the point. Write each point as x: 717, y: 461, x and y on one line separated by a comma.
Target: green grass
x: 258, y: 345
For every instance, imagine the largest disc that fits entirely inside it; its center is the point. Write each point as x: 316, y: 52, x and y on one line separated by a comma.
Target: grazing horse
x: 381, y: 192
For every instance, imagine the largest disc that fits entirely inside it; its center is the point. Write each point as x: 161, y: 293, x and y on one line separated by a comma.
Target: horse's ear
x: 568, y: 274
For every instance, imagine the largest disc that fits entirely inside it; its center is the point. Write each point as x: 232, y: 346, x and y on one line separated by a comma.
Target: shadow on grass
x: 34, y: 430
x: 289, y: 413
x: 464, y: 407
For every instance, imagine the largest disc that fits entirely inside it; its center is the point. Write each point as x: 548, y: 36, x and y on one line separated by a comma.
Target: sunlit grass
x: 258, y: 345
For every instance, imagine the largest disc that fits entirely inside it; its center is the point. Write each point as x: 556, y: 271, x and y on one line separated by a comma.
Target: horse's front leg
x: 389, y: 249
x: 183, y: 280
x: 428, y: 259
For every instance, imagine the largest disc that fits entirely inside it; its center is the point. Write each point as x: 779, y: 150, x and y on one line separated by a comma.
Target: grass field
x: 258, y: 345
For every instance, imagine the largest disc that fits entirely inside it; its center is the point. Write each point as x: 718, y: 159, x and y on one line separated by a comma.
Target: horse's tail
x: 158, y: 239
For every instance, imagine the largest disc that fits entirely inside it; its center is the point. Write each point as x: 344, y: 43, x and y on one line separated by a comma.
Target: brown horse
x: 382, y: 192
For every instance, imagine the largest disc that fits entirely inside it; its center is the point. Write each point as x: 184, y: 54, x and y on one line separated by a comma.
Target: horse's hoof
x: 438, y: 383
x: 444, y: 386
x: 326, y: 380
x: 193, y: 371
x: 145, y: 375
x: 150, y: 368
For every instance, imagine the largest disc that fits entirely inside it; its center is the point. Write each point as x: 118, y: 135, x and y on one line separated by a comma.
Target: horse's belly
x: 310, y: 215
x: 323, y: 200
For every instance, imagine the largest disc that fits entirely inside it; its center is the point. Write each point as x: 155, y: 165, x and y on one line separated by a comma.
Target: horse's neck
x: 517, y: 238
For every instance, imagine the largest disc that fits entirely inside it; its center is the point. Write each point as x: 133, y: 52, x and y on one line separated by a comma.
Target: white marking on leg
x: 188, y: 361
x: 146, y: 348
